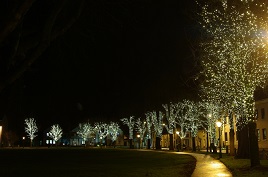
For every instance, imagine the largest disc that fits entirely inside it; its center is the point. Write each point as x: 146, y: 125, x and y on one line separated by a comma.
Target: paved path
x: 206, y: 166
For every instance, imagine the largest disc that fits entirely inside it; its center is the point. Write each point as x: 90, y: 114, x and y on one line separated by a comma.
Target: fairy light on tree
x: 84, y: 129
x: 114, y: 131
x: 181, y: 111
x: 235, y: 57
x: 141, y: 128
x: 158, y: 127
x: 55, y: 133
x: 194, y: 119
x: 31, y: 128
x: 149, y: 125
x: 130, y: 123
x: 102, y: 130
x: 171, y: 122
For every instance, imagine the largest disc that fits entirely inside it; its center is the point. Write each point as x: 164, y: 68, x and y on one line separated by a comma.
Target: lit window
x: 53, y: 142
x: 47, y: 134
x: 258, y: 134
x: 50, y: 142
x: 264, y: 134
x: 47, y: 141
x: 256, y: 114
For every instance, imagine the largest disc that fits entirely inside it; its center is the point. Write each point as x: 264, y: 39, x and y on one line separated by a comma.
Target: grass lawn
x: 93, y: 162
x: 241, y: 167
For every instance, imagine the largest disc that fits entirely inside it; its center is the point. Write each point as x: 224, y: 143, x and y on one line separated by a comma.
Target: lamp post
x: 178, y: 143
x: 218, y: 123
x: 23, y: 139
x: 139, y: 140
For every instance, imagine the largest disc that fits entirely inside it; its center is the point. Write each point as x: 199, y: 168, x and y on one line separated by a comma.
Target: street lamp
x: 138, y: 136
x: 218, y: 123
x: 23, y: 139
x: 0, y: 136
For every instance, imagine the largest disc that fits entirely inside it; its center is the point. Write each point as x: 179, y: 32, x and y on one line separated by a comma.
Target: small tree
x: 84, y: 130
x: 55, y: 132
x: 31, y: 128
x: 102, y: 129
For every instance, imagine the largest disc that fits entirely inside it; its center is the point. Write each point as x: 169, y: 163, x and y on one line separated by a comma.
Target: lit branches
x: 55, y: 132
x: 31, y: 128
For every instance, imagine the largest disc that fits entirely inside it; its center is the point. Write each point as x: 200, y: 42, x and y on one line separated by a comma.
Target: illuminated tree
x: 181, y: 113
x: 234, y: 58
x: 171, y: 123
x: 141, y: 128
x: 194, y: 119
x: 31, y: 128
x: 130, y: 123
x: 102, y: 130
x: 158, y: 127
x: 114, y: 130
x: 55, y: 132
x: 84, y: 130
x: 149, y: 125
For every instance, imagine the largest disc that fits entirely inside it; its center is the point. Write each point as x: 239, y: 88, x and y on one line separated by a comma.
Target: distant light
x: 218, y: 123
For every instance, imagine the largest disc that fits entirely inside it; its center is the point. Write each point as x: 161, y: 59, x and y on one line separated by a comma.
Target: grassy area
x: 93, y: 162
x: 241, y: 167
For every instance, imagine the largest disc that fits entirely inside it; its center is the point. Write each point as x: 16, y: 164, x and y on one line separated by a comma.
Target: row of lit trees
x: 234, y: 63
x: 84, y: 130
x: 181, y: 118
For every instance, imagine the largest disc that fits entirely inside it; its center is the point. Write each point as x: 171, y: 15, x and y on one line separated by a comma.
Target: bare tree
x: 55, y: 132
x: 84, y: 130
x: 130, y: 123
x: 114, y: 131
x: 31, y: 128
x: 171, y: 123
x: 149, y: 126
x: 141, y: 128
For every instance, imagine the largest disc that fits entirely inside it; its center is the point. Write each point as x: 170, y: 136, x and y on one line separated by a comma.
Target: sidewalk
x: 206, y: 166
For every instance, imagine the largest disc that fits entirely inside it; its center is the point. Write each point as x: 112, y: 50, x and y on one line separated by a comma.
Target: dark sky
x: 113, y: 63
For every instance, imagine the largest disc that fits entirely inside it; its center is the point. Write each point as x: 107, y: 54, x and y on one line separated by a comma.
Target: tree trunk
x: 148, y: 143
x: 130, y: 143
x: 193, y: 142
x: 253, y: 144
x: 157, y: 143
x: 171, y: 145
x: 232, y: 148
x: 243, y: 143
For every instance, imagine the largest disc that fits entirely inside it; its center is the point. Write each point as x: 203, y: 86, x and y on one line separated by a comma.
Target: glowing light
x: 84, y: 130
x: 218, y: 123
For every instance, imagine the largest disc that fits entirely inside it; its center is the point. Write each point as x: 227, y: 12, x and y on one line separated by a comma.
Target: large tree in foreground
x: 234, y: 58
x: 31, y: 128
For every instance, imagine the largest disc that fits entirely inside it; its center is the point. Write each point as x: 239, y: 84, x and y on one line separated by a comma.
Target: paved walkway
x: 206, y: 166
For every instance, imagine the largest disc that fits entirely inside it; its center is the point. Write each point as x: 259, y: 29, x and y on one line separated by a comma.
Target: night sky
x: 113, y: 63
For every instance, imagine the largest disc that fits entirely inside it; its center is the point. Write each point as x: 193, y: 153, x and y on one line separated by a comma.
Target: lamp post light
x: 23, y: 140
x: 218, y: 123
x: 1, y: 136
x: 139, y: 140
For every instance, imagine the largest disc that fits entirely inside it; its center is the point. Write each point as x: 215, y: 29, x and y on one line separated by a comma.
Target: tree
x: 130, y: 123
x: 114, y: 131
x: 23, y: 40
x: 102, y: 129
x: 84, y: 130
x: 149, y: 125
x: 141, y: 128
x: 181, y: 113
x: 171, y: 123
x: 234, y: 58
x: 31, y: 128
x: 194, y: 117
x: 55, y: 132
x: 158, y: 127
